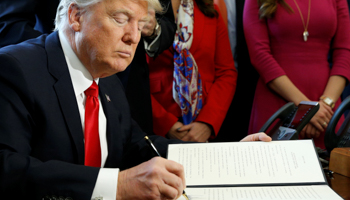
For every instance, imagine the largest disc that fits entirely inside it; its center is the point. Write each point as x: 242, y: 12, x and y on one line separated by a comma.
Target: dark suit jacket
x: 41, y: 137
x: 18, y: 18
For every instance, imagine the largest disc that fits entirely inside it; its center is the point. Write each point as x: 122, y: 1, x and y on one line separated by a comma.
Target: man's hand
x: 155, y: 179
x: 197, y: 132
x: 257, y: 137
x: 149, y: 27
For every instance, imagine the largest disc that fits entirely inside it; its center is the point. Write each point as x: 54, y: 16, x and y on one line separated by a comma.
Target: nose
x: 132, y: 34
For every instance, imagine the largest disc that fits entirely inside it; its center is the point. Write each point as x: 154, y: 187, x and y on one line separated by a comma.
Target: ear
x: 74, y: 17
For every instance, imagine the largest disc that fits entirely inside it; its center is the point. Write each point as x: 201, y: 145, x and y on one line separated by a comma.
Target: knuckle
x: 152, y: 196
x: 178, y: 183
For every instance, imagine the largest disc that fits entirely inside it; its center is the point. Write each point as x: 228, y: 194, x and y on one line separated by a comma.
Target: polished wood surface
x: 340, y: 184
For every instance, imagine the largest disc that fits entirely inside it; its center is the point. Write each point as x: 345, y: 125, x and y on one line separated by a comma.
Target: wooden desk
x: 340, y: 184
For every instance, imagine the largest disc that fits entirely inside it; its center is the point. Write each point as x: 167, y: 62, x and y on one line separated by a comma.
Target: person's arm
x: 220, y: 88
x: 151, y: 33
x: 340, y: 59
x: 340, y: 49
x: 161, y: 38
x: 284, y: 87
x: 17, y: 21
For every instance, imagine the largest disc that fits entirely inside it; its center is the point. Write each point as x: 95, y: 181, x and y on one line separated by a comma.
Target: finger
x: 316, y: 122
x: 176, y: 169
x: 197, y: 135
x: 177, y: 126
x: 257, y: 137
x: 181, y: 135
x: 177, y: 135
x: 329, y: 109
x: 168, y: 192
x: 323, y: 123
x: 247, y: 138
x: 308, y: 130
x: 174, y: 185
x: 312, y: 131
x: 329, y: 115
x: 190, y: 136
x: 320, y: 125
x: 260, y: 137
x: 317, y: 134
x: 185, y: 127
x: 263, y: 137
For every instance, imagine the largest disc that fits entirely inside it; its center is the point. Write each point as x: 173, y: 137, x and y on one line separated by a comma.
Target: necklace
x: 305, y: 33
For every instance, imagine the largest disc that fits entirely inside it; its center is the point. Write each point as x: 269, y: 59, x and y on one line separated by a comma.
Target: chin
x: 121, y: 66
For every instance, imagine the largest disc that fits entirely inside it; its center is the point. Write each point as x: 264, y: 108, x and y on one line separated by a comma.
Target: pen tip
x: 146, y: 137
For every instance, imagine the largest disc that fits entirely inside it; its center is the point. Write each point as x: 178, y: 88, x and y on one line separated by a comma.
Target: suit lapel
x: 57, y: 66
x: 113, y: 117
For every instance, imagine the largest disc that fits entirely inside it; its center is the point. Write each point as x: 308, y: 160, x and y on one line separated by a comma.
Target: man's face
x: 108, y: 35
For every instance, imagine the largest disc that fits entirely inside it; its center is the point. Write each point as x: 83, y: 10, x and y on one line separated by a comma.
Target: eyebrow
x: 122, y: 11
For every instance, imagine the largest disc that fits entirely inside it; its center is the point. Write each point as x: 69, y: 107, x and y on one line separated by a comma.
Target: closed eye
x: 121, y: 20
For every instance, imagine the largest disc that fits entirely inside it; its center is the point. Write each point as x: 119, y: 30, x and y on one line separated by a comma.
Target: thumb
x: 185, y: 128
x: 257, y: 137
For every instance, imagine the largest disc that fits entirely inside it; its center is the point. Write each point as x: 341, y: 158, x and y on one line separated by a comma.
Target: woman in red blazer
x: 211, y: 50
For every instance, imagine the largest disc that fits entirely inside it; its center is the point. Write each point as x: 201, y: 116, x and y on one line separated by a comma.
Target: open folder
x: 280, y: 170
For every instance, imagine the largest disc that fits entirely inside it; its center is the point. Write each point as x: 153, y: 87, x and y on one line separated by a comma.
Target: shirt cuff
x: 106, y: 184
x: 152, y: 48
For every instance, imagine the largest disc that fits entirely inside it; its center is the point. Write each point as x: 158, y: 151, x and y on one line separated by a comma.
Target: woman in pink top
x: 289, y: 42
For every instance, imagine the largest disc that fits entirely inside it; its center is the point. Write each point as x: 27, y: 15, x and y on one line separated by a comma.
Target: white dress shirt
x: 106, y: 184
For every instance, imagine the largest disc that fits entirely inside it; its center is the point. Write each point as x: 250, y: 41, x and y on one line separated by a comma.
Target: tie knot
x: 92, y: 90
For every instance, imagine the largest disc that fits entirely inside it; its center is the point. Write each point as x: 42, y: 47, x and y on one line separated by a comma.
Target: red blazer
x: 211, y: 50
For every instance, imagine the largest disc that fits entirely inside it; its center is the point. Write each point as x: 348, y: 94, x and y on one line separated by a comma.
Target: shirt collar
x: 80, y: 76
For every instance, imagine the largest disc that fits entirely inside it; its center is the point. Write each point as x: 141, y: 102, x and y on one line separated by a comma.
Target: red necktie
x: 92, y: 140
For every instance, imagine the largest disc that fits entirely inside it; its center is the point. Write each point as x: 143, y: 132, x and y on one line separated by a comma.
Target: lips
x: 124, y: 54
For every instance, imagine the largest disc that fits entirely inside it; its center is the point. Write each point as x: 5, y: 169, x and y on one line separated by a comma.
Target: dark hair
x: 268, y: 7
x: 207, y: 8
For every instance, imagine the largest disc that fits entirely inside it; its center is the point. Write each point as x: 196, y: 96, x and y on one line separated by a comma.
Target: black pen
x: 150, y: 143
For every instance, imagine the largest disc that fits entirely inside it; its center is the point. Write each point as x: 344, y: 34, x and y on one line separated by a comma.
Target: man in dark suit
x: 42, y: 103
x: 25, y: 19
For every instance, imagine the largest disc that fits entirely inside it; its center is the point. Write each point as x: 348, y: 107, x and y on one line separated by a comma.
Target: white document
x: 312, y: 192
x: 287, y: 169
x: 240, y: 163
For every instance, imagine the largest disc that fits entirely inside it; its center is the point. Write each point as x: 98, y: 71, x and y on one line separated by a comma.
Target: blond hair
x: 62, y: 10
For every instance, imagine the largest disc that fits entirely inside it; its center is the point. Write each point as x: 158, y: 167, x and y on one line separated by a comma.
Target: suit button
x: 60, y: 198
x: 53, y: 197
